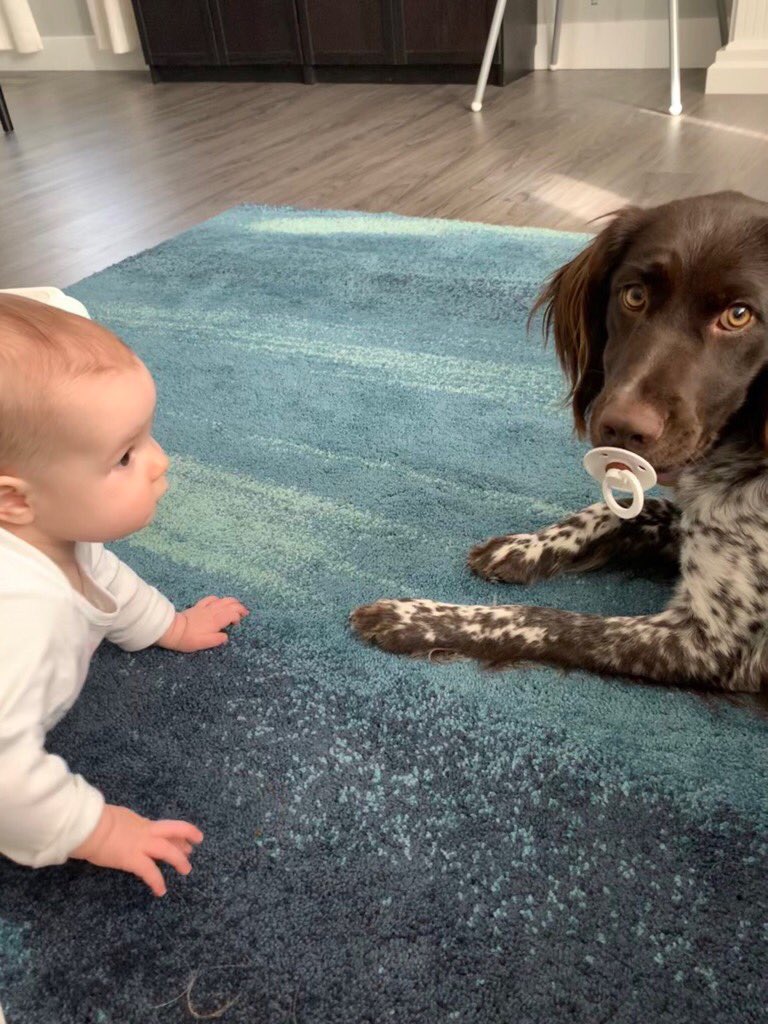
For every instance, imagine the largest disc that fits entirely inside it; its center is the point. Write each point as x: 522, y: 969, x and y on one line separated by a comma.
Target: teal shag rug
x: 350, y: 402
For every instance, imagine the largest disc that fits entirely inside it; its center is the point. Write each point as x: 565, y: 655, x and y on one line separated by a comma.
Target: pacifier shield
x: 617, y: 469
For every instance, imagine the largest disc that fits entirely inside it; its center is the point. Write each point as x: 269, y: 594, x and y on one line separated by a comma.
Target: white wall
x: 61, y: 17
x: 596, y: 34
x: 628, y: 33
x: 68, y: 42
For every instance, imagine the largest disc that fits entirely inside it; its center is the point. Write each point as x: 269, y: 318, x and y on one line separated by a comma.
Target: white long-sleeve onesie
x: 48, y: 633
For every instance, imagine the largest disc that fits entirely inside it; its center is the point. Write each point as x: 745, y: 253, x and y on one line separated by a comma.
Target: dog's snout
x: 629, y: 424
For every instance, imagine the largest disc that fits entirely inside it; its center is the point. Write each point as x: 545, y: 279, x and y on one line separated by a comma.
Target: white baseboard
x: 70, y: 53
x: 740, y: 68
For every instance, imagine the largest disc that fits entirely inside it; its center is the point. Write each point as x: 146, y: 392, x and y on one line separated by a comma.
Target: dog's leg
x: 587, y: 540
x: 712, y: 634
x: 671, y: 647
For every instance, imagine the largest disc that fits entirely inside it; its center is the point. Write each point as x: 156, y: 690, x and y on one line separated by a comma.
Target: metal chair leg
x: 5, y: 114
x: 490, y: 49
x: 675, y: 102
x: 554, y: 53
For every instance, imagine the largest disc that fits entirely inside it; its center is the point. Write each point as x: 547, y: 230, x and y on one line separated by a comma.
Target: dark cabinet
x: 177, y: 32
x: 260, y: 31
x: 344, y: 32
x: 445, y: 31
x: 333, y: 40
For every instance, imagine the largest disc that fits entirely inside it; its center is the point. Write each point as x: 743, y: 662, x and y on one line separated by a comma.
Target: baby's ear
x: 15, y: 509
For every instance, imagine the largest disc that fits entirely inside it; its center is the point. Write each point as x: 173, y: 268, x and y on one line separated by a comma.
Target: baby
x: 78, y: 467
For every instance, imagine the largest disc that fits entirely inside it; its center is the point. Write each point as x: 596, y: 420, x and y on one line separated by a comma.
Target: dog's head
x: 661, y: 325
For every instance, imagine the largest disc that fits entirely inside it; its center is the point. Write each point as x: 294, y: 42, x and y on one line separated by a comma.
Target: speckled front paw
x: 420, y: 629
x: 517, y: 558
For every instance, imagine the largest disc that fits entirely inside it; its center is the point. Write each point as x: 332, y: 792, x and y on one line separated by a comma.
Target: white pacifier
x: 620, y: 470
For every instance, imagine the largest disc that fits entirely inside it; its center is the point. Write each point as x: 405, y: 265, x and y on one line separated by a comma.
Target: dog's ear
x: 575, y: 302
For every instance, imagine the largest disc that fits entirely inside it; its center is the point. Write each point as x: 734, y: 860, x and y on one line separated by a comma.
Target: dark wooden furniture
x: 333, y: 40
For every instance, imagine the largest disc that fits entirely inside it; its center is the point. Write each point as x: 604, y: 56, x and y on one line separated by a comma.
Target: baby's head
x: 77, y: 458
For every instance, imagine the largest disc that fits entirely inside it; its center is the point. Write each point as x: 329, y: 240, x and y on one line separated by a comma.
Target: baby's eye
x: 126, y: 458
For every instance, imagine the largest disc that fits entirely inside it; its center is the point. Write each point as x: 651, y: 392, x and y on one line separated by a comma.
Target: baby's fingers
x: 236, y: 606
x: 207, y: 640
x: 228, y: 612
x: 163, y: 849
x: 149, y: 872
x: 167, y: 828
x: 183, y: 844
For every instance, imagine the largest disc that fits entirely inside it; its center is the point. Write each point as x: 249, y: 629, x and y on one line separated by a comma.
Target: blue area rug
x: 350, y: 402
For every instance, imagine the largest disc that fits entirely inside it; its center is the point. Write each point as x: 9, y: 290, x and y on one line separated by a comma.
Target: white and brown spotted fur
x: 663, y: 381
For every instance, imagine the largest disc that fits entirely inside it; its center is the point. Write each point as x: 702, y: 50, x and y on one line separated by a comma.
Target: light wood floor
x: 103, y: 165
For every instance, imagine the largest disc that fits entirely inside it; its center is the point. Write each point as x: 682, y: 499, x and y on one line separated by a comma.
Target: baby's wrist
x: 95, y: 841
x: 172, y: 637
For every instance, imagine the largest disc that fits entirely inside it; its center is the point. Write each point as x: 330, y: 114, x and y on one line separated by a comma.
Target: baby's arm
x: 147, y: 617
x: 47, y: 813
x: 45, y: 810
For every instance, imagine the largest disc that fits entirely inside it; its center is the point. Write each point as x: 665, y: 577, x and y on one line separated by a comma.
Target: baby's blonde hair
x: 42, y: 348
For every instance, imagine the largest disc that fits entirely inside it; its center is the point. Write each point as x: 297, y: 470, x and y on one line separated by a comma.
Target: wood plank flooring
x: 103, y: 165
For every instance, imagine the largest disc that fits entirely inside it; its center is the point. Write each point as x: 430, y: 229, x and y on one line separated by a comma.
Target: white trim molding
x: 742, y: 66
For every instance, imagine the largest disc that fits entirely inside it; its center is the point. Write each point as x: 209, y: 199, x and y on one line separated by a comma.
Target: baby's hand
x: 201, y: 626
x: 126, y: 841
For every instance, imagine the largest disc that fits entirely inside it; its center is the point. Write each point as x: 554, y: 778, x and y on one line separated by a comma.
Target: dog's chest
x: 724, y: 518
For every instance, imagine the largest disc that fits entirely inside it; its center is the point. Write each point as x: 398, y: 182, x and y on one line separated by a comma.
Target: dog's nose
x: 629, y: 424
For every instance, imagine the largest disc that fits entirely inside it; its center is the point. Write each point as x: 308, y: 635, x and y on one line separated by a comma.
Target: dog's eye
x: 633, y: 296
x: 735, y: 318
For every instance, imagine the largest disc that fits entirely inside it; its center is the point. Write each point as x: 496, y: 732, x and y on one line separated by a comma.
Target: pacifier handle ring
x: 637, y: 496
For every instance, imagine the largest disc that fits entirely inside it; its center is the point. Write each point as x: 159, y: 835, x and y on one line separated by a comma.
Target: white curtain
x: 114, y: 25
x: 18, y: 30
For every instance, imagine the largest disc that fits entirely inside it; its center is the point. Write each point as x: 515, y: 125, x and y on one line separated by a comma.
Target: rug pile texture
x: 350, y: 402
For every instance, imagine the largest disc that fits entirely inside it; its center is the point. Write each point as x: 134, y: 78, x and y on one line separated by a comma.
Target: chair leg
x: 722, y: 17
x: 5, y: 115
x: 490, y: 49
x: 675, y: 104
x: 554, y: 53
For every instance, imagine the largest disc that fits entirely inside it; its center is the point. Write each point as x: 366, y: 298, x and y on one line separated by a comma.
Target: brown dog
x: 661, y: 326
